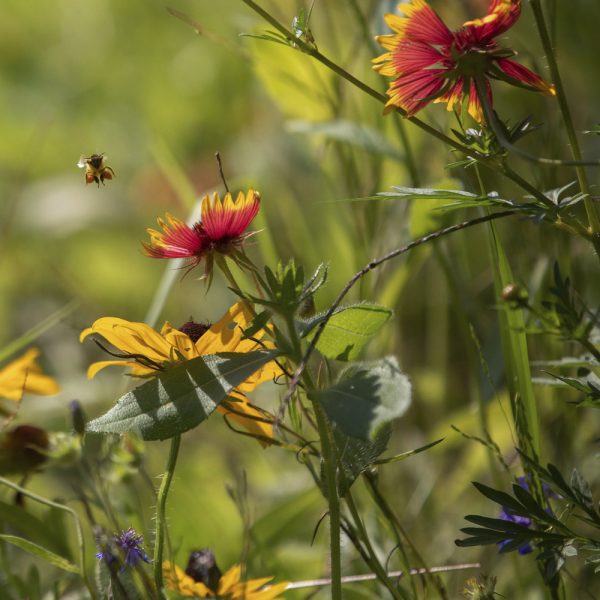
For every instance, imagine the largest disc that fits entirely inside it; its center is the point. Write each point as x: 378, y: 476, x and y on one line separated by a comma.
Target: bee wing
x: 82, y: 161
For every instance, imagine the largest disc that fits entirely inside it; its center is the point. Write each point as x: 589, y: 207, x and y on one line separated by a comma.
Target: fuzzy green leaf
x: 366, y: 397
x: 182, y: 397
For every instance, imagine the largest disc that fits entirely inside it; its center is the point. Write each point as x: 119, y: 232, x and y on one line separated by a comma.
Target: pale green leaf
x: 366, y: 397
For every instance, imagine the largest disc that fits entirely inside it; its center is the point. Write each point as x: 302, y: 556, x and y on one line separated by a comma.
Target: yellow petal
x: 254, y: 422
x: 179, y: 341
x: 131, y: 338
x: 25, y: 375
x: 229, y: 579
x: 101, y: 364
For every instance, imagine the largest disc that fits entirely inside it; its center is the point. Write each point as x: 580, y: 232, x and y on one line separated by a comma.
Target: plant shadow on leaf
x: 176, y: 401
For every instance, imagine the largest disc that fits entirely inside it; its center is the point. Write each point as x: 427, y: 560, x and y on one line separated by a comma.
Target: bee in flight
x: 95, y: 168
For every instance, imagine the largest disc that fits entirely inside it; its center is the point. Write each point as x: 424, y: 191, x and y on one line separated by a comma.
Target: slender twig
x: 161, y: 504
x: 366, y: 269
x: 78, y: 528
x: 218, y: 157
x: 371, y: 576
x: 373, y: 558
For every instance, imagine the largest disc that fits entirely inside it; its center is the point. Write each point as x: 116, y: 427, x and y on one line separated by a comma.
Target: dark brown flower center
x: 202, y: 567
x: 194, y: 330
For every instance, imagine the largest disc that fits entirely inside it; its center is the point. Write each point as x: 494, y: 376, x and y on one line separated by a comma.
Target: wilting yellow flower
x: 25, y: 375
x: 230, y: 586
x: 146, y: 351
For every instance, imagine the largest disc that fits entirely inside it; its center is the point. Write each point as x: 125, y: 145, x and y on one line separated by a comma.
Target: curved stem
x: 373, y: 558
x: 78, y: 528
x: 366, y: 269
x: 161, y: 504
x: 591, y: 207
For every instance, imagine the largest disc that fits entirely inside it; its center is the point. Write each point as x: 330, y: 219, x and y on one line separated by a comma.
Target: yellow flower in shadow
x: 146, y: 351
x: 25, y: 375
x: 229, y: 587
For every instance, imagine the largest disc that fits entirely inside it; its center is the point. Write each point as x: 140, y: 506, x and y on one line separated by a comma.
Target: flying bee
x: 95, y: 168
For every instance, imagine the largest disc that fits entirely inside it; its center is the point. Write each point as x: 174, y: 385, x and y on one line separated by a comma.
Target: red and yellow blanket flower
x: 146, y: 351
x: 25, y: 375
x: 222, y: 229
x: 229, y: 585
x: 429, y: 62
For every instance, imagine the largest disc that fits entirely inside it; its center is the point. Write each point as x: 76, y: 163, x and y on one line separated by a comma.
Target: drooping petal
x: 176, y: 240
x: 239, y: 409
x: 517, y: 71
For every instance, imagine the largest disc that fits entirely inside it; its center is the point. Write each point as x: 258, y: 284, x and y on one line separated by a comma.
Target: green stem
x: 329, y: 456
x: 373, y: 559
x: 78, y: 528
x: 591, y: 207
x: 161, y: 502
x: 392, y: 518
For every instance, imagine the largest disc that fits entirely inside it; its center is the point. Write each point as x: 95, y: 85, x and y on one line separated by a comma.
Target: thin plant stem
x: 374, y: 560
x: 392, y: 518
x: 296, y: 585
x: 329, y: 457
x: 366, y: 269
x: 331, y: 474
x: 78, y: 528
x: 161, y: 504
x: 591, y: 207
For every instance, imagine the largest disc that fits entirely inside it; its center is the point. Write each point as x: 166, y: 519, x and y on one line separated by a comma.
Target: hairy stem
x: 161, y: 504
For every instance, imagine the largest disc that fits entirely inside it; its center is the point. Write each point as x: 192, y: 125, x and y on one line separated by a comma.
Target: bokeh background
x: 132, y: 81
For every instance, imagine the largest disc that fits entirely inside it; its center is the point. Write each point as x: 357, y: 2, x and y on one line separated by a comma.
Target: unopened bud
x: 202, y: 567
x: 513, y: 292
x: 77, y: 417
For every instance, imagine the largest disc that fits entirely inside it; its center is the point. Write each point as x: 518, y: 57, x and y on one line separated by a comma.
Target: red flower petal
x: 517, y: 71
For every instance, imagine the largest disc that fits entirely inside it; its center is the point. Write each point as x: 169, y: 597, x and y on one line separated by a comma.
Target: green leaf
x: 355, y: 134
x: 348, y: 329
x: 366, y: 397
x: 40, y: 551
x: 182, y: 397
x: 356, y: 455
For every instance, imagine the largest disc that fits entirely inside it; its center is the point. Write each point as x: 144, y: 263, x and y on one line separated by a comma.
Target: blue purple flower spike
x: 131, y: 545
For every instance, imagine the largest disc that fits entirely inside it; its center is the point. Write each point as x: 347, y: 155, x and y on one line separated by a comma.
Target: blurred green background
x: 130, y: 80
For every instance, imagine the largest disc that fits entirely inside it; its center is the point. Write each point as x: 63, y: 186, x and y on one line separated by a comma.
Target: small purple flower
x: 130, y: 543
x: 508, y: 515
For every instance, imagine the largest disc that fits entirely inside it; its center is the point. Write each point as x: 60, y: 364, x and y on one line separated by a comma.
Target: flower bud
x: 202, y: 567
x: 77, y: 417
